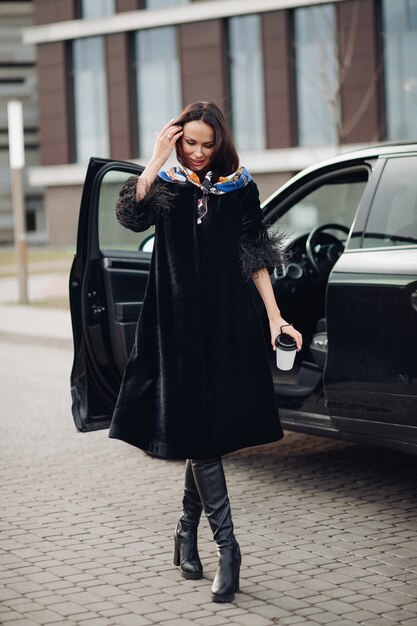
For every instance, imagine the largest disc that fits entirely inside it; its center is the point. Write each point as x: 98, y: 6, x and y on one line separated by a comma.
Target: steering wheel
x: 332, y: 247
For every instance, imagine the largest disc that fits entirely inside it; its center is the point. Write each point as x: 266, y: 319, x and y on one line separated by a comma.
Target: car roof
x: 361, y: 154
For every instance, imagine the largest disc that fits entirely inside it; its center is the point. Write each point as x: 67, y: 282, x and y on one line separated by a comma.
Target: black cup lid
x: 285, y: 342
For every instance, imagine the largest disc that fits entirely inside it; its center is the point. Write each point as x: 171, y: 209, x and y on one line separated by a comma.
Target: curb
x: 50, y: 342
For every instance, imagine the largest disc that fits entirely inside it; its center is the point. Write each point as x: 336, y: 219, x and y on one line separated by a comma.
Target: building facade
x: 299, y: 80
x: 18, y: 80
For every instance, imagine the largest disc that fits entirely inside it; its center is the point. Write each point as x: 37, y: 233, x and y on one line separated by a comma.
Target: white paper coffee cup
x: 286, y: 349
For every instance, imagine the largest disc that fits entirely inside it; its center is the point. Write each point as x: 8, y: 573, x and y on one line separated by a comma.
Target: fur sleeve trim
x: 140, y: 215
x: 267, y: 250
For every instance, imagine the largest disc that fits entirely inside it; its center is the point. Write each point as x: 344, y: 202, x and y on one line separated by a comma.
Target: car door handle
x: 413, y: 298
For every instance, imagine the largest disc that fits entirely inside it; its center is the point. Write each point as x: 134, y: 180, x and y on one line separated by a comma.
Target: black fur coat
x: 198, y: 382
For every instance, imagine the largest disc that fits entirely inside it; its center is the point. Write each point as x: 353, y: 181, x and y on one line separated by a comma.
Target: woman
x: 198, y: 382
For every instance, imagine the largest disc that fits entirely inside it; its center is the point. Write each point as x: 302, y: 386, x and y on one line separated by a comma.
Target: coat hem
x: 163, y: 452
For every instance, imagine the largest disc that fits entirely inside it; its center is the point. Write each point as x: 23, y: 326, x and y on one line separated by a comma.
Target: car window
x: 335, y: 201
x: 392, y: 219
x: 113, y: 236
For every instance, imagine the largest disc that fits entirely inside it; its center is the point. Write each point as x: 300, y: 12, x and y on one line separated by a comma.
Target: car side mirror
x: 147, y: 244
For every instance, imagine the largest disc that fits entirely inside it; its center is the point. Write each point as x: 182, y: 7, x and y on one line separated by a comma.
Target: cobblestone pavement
x: 328, y: 530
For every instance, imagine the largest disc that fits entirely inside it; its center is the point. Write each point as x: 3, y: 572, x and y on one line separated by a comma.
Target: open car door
x: 370, y: 380
x: 107, y: 286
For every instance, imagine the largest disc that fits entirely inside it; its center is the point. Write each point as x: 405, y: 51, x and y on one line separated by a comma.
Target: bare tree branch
x: 350, y: 124
x: 341, y: 57
x: 346, y: 61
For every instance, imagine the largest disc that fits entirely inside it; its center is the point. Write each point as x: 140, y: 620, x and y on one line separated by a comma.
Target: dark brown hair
x: 225, y: 158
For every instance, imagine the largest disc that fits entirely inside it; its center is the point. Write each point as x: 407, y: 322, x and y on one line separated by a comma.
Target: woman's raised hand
x: 165, y: 141
x: 164, y: 144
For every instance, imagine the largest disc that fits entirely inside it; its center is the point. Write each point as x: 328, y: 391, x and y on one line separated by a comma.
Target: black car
x: 350, y: 286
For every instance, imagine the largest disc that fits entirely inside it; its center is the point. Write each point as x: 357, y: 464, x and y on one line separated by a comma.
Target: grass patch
x: 41, y: 260
x: 38, y: 254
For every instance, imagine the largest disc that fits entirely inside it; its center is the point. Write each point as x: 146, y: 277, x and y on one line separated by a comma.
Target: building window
x: 90, y: 99
x: 316, y: 68
x: 400, y: 52
x: 98, y: 8
x: 160, y: 4
x: 158, y: 83
x: 246, y: 82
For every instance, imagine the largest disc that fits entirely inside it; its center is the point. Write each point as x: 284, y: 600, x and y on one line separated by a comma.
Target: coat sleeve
x: 258, y: 248
x: 140, y: 215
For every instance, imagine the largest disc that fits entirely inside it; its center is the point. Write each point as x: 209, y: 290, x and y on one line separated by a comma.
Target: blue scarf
x: 184, y: 176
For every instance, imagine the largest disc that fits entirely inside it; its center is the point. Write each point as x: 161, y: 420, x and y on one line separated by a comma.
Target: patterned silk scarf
x: 183, y: 176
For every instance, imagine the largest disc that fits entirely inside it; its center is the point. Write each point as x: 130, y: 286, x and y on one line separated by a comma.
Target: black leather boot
x: 211, y: 484
x: 185, y: 538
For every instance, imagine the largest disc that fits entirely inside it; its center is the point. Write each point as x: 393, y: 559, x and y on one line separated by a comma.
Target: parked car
x: 350, y: 286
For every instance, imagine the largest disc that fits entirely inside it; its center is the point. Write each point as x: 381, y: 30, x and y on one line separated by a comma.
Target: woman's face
x: 197, y: 144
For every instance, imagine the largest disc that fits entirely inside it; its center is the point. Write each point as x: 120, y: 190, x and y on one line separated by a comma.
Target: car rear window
x: 392, y: 219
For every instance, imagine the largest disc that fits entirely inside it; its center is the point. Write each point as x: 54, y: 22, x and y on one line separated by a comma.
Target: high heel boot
x: 185, y: 539
x: 211, y: 484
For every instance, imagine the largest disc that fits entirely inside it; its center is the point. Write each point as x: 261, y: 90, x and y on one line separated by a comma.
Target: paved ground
x: 328, y: 530
x: 29, y: 324
x: 35, y: 323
